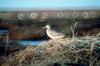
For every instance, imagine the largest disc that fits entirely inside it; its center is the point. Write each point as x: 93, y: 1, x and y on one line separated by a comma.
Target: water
x: 2, y: 32
x: 23, y: 42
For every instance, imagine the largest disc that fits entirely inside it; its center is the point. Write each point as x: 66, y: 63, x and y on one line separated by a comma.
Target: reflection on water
x: 2, y: 32
x: 23, y: 42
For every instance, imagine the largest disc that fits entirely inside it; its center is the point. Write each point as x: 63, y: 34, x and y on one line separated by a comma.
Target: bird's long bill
x: 44, y: 27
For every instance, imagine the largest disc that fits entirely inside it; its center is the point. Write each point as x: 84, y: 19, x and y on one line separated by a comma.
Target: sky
x: 48, y: 4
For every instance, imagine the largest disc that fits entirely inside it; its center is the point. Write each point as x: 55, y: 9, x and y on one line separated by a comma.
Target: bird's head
x: 47, y: 27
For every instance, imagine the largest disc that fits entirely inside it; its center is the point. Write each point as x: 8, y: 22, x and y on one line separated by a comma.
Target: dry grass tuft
x: 80, y: 51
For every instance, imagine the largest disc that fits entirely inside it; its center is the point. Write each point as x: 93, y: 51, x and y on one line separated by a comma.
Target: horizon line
x: 60, y: 8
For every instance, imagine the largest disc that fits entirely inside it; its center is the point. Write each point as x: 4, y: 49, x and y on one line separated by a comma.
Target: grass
x: 83, y: 51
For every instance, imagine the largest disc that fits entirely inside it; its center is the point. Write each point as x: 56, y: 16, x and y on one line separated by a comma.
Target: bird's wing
x: 55, y: 33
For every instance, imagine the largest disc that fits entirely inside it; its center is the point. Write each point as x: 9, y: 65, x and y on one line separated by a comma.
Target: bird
x: 52, y: 33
